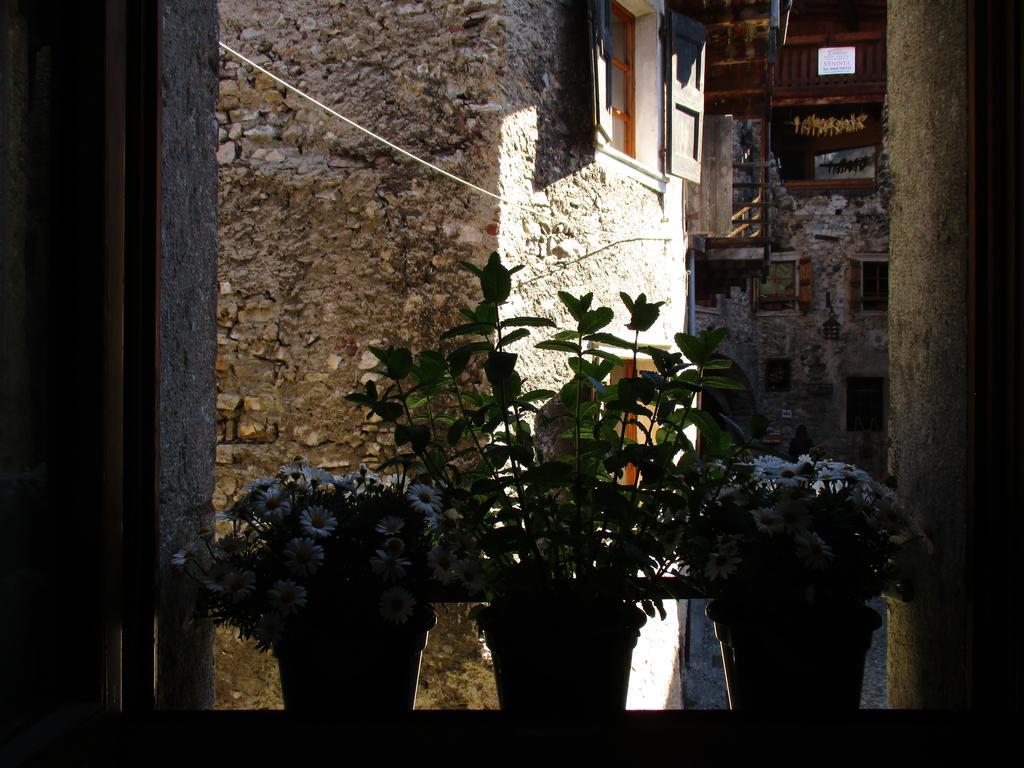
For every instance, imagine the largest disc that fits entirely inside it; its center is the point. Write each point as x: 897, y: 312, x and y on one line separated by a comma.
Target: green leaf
x: 486, y: 312
x: 595, y: 320
x: 470, y: 267
x: 455, y: 432
x: 430, y: 367
x: 466, y: 329
x: 573, y: 304
x: 559, y: 346
x: 500, y: 366
x: 609, y: 340
x: 568, y: 394
x: 420, y: 437
x: 358, y: 397
x: 611, y: 357
x: 397, y: 362
x: 495, y: 280
x: 706, y: 424
x: 533, y: 322
x: 459, y: 358
x: 712, y: 338
x: 691, y: 347
x: 388, y: 411
x: 642, y: 315
x: 513, y: 337
x: 721, y: 382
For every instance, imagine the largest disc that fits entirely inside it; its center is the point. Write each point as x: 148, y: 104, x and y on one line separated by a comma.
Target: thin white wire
x: 427, y: 163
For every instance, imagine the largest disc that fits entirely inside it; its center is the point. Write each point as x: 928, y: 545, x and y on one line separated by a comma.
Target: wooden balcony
x: 796, y: 71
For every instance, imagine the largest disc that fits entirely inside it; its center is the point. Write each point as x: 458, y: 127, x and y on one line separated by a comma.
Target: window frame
x: 789, y: 257
x: 626, y: 116
x: 859, y: 296
x: 882, y: 400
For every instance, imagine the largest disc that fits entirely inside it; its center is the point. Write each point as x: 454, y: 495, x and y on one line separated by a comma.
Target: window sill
x: 797, y: 185
x: 619, y: 162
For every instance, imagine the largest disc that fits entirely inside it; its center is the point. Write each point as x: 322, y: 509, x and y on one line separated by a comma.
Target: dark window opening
x: 874, y: 286
x: 864, y: 404
x: 777, y: 375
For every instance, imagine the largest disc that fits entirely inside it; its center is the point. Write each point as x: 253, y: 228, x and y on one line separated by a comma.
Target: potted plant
x: 790, y: 551
x: 538, y: 518
x: 329, y: 573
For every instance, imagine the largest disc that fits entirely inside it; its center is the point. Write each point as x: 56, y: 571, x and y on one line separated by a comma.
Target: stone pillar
x: 188, y: 297
x: 927, y: 43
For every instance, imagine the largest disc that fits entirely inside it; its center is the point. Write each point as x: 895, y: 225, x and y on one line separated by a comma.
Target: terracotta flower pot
x: 794, y: 657
x: 561, y: 654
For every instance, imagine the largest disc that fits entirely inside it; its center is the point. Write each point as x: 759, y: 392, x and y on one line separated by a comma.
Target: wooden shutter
x: 685, y: 92
x: 855, y: 277
x: 806, y: 285
x: 599, y: 13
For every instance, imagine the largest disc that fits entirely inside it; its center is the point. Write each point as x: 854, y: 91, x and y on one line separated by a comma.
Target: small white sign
x: 837, y: 61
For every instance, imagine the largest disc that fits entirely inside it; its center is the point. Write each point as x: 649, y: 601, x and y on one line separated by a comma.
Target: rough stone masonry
x: 330, y: 242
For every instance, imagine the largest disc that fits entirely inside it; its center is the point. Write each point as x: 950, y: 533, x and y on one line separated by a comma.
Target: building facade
x: 809, y: 325
x: 579, y: 119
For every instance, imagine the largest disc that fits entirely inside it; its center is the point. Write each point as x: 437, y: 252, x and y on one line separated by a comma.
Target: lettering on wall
x: 812, y: 125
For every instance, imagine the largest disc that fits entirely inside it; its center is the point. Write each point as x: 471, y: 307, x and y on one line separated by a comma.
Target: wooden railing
x: 797, y: 66
x: 749, y: 217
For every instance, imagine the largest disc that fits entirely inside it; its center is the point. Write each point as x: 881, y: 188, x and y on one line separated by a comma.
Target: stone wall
x: 830, y: 229
x: 330, y: 242
x: 928, y: 645
x: 582, y: 234
x: 188, y: 263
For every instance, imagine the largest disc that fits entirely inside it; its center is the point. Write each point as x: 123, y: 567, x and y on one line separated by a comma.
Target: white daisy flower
x: 274, y: 504
x: 295, y: 468
x: 442, y: 564
x: 396, y: 481
x: 394, y: 546
x: 424, y: 498
x: 396, y: 604
x: 390, y: 525
x: 389, y: 567
x: 269, y: 629
x: 317, y: 475
x: 813, y: 551
x: 794, y: 515
x: 721, y: 565
x: 444, y: 522
x: 184, y: 555
x: 228, y: 546
x: 317, y: 522
x: 286, y: 596
x: 471, y: 573
x: 238, y: 585
x: 768, y: 520
x: 303, y: 556
x: 260, y: 484
x: 345, y: 482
